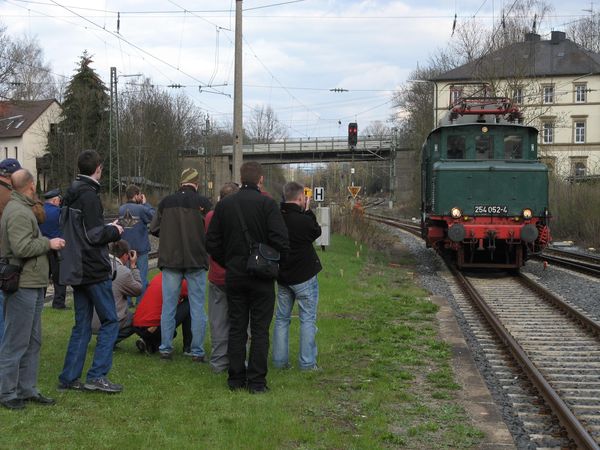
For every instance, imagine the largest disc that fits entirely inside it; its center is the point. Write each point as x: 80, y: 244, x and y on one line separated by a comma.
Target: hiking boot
x: 102, y: 384
x: 198, y: 359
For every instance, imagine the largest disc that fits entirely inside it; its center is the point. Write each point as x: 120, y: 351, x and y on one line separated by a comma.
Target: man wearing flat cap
x: 7, y: 168
x: 179, y: 222
x: 51, y: 229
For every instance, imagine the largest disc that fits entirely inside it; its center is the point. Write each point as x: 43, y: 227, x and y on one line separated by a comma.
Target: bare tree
x: 23, y: 73
x: 377, y: 129
x: 586, y: 32
x: 263, y: 126
x: 33, y: 79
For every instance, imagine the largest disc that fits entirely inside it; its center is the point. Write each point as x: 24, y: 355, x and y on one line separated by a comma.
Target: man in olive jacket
x: 23, y: 244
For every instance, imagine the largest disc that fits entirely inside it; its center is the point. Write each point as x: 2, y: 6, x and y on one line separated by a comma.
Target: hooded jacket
x: 84, y: 260
x: 23, y: 243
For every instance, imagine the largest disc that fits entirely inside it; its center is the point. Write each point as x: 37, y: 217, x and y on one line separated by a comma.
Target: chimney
x: 532, y: 37
x: 557, y: 37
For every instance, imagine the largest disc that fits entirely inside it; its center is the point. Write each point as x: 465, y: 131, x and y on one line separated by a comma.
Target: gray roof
x: 532, y: 58
x: 17, y: 116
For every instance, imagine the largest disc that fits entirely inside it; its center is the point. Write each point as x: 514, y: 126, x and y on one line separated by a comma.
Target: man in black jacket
x: 298, y: 280
x: 179, y: 221
x: 85, y: 266
x: 249, y: 299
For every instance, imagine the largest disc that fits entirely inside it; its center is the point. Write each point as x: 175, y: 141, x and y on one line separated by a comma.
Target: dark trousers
x: 182, y: 317
x: 60, y: 290
x: 249, y: 300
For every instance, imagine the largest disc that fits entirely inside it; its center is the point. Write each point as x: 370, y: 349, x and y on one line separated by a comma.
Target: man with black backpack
x: 86, y: 267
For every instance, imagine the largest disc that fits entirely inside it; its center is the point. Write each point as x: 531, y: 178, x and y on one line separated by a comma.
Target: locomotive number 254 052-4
x: 491, y: 209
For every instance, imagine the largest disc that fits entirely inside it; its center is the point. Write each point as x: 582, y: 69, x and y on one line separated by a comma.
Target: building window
x: 580, y: 93
x: 5, y: 152
x: 548, y: 94
x: 548, y: 133
x: 579, y: 127
x: 578, y: 166
x: 518, y: 97
x: 455, y: 95
x: 16, y: 152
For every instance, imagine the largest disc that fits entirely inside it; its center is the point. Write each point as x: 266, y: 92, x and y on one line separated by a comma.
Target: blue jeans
x: 86, y: 298
x: 171, y: 287
x: 142, y: 264
x: 307, y: 296
x: 1, y: 315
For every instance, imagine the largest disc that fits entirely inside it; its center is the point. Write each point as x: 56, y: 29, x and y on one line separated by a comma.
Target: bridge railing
x: 313, y: 145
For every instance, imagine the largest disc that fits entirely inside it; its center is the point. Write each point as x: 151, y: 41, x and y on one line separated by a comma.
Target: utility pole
x: 238, y: 131
x: 113, y: 156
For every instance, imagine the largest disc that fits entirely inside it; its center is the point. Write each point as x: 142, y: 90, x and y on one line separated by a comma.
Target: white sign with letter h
x: 319, y: 194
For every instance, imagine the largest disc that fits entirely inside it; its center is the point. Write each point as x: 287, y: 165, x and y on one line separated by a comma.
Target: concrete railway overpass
x: 216, y: 166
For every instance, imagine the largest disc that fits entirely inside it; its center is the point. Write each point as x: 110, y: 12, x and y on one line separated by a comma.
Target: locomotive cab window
x: 513, y: 147
x: 456, y: 147
x: 484, y: 147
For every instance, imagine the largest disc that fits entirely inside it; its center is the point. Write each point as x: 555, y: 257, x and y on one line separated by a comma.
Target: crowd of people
x: 202, y: 253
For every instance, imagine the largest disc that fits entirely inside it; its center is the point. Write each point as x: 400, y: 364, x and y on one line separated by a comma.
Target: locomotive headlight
x: 455, y: 213
x: 527, y: 213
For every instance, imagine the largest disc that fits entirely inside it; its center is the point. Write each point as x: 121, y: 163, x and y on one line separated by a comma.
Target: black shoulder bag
x: 9, y: 276
x: 263, y: 260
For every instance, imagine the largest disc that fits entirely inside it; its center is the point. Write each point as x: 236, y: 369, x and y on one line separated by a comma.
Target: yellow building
x: 555, y: 82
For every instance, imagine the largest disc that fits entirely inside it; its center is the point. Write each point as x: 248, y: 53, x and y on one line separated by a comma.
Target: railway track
x: 544, y: 353
x: 587, y: 264
x: 557, y: 346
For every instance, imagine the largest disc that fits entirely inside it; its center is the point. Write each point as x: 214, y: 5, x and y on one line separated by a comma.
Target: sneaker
x: 102, y: 384
x: 198, y: 359
x: 187, y: 351
x: 166, y: 356
x: 258, y: 389
x: 72, y: 386
x: 141, y: 346
x: 314, y: 368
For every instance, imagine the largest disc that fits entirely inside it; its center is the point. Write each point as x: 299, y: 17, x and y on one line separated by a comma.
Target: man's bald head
x: 21, y: 180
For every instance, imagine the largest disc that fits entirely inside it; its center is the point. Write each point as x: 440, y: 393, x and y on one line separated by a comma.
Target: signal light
x: 352, y: 134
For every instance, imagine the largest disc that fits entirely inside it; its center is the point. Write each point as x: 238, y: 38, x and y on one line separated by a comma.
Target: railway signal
x: 352, y: 134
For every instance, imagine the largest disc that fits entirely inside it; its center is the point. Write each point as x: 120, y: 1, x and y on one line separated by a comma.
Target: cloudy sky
x: 294, y: 51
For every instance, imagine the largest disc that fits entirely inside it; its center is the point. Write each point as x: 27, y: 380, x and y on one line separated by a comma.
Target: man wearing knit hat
x: 179, y: 222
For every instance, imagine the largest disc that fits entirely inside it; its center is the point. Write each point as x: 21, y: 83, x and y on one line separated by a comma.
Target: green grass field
x: 386, y: 382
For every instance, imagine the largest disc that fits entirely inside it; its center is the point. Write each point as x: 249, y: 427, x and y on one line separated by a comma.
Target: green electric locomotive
x: 484, y: 192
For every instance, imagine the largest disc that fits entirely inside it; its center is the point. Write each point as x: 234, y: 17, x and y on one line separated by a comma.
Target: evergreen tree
x: 83, y: 123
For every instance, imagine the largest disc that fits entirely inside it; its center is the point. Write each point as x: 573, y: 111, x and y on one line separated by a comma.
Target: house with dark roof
x: 555, y: 82
x: 24, y: 127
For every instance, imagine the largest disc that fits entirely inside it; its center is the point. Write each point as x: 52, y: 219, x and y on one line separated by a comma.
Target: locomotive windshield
x: 456, y: 147
x: 486, y: 143
x: 484, y: 147
x: 513, y: 147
